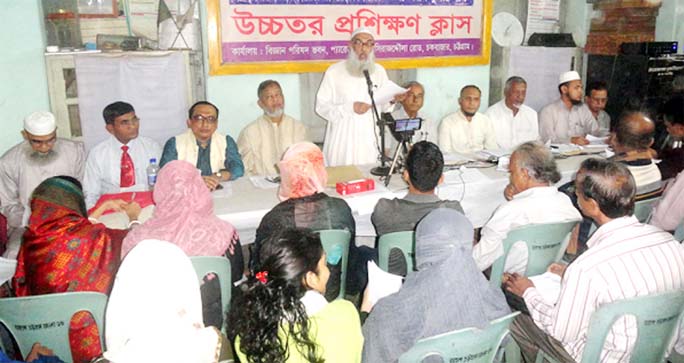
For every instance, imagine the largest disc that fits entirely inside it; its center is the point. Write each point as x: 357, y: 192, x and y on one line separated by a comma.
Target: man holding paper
x: 342, y: 99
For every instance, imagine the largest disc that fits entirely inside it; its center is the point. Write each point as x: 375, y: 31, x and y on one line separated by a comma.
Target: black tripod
x: 401, y: 151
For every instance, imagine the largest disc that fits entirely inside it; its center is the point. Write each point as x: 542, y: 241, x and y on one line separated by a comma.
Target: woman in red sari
x: 63, y: 251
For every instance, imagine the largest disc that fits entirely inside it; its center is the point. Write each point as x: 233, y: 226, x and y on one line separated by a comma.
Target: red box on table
x: 355, y: 186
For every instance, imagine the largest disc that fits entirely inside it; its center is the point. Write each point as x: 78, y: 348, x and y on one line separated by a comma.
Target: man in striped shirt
x: 625, y: 259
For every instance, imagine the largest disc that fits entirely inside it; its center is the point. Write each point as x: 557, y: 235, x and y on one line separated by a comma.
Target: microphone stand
x: 383, y: 169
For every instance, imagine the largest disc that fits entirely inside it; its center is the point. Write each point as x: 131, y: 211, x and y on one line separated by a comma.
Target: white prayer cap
x: 40, y: 123
x: 568, y: 76
x: 362, y: 30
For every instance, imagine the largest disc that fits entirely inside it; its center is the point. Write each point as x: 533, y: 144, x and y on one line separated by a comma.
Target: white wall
x: 23, y: 81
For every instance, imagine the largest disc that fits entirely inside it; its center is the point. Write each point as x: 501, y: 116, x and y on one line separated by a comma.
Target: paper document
x: 383, y: 95
x: 381, y: 283
x: 7, y: 268
x: 338, y: 174
x: 548, y: 285
x: 495, y: 152
x: 262, y: 182
x: 455, y: 159
x: 594, y: 140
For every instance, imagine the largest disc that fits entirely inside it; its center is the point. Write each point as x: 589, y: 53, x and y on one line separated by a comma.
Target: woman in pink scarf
x: 184, y: 216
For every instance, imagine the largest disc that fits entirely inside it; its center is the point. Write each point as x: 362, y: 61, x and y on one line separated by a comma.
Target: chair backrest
x: 335, y: 239
x: 46, y: 319
x: 679, y: 232
x: 404, y: 241
x: 644, y: 208
x: 470, y: 345
x: 219, y: 265
x: 657, y: 318
x: 546, y: 244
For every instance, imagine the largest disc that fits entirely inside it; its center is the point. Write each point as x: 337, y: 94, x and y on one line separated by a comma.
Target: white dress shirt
x: 103, y: 167
x: 625, y: 259
x: 262, y: 143
x: 512, y: 130
x: 603, y: 118
x: 457, y: 134
x: 533, y: 206
x: 558, y: 124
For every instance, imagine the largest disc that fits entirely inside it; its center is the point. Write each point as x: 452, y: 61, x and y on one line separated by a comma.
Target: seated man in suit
x: 211, y: 152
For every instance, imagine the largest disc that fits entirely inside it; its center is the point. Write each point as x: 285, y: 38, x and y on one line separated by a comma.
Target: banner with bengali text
x: 266, y: 36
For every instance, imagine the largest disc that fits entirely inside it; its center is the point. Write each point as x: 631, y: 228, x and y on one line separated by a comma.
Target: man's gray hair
x: 513, y: 80
x: 534, y: 157
x: 410, y: 84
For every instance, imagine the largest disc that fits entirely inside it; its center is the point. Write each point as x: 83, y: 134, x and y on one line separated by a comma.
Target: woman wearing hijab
x: 303, y: 204
x: 154, y: 313
x: 184, y: 215
x: 446, y: 293
x: 283, y: 316
x: 63, y: 251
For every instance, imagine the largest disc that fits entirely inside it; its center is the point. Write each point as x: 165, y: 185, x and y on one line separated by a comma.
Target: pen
x: 133, y: 197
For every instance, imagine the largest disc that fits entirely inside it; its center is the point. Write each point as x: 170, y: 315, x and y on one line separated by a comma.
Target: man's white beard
x: 356, y: 66
x: 275, y: 113
x: 39, y: 159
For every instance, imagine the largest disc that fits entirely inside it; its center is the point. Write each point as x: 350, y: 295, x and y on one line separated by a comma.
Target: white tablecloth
x: 480, y: 191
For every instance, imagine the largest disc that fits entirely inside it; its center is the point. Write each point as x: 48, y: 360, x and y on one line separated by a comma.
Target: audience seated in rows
x: 283, y: 315
x: 154, y: 313
x: 63, y: 251
x: 184, y: 216
x: 424, y: 165
x: 40, y: 156
x: 625, y: 259
x: 467, y: 130
x: 119, y: 163
x: 532, y: 199
x: 513, y: 121
x: 262, y: 142
x: 215, y: 154
x: 447, y: 292
x: 566, y: 120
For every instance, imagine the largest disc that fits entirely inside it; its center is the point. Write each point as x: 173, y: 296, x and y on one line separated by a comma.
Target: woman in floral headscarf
x: 303, y: 203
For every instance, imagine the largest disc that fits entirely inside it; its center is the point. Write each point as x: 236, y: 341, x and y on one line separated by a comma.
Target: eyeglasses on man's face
x: 358, y: 43
x: 205, y: 119
x: 37, y: 142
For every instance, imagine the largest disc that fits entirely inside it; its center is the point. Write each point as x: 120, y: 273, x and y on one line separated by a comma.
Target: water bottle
x: 152, y: 171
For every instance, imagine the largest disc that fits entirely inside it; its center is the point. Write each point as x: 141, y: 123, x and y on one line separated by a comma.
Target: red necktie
x: 127, y: 169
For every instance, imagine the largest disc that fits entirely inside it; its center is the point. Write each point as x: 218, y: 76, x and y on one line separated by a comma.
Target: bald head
x: 609, y: 183
x: 634, y: 131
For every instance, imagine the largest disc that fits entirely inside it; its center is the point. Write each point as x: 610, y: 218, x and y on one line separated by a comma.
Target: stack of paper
x: 548, y: 285
x: 7, y: 268
x: 381, y: 283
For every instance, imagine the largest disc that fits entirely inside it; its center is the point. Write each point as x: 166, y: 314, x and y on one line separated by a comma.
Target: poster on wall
x: 282, y: 36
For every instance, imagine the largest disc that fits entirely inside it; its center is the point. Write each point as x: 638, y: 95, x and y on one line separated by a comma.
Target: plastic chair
x: 546, y: 244
x: 405, y: 241
x: 331, y: 239
x: 644, y: 208
x: 679, y: 232
x: 221, y: 267
x: 470, y: 345
x: 46, y: 319
x: 657, y: 317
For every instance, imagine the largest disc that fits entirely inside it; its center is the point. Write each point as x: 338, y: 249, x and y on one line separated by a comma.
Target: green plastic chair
x: 470, y: 345
x: 405, y: 241
x: 330, y: 238
x: 657, y: 317
x: 221, y: 267
x: 546, y: 244
x: 46, y: 319
x: 679, y: 232
x: 644, y: 208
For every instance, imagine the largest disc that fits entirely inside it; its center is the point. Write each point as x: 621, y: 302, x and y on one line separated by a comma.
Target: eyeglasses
x: 130, y: 122
x: 361, y: 44
x: 49, y: 141
x: 207, y: 119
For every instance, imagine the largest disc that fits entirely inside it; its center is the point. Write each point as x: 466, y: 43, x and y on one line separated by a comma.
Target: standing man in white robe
x: 350, y: 137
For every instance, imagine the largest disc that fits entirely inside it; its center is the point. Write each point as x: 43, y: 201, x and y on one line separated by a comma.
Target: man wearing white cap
x: 40, y: 156
x: 350, y: 137
x: 566, y: 121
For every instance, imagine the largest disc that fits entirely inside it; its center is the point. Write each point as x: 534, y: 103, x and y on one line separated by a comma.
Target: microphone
x: 368, y: 81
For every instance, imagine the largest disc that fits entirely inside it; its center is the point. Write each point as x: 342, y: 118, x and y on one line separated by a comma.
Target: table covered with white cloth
x: 479, y: 190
